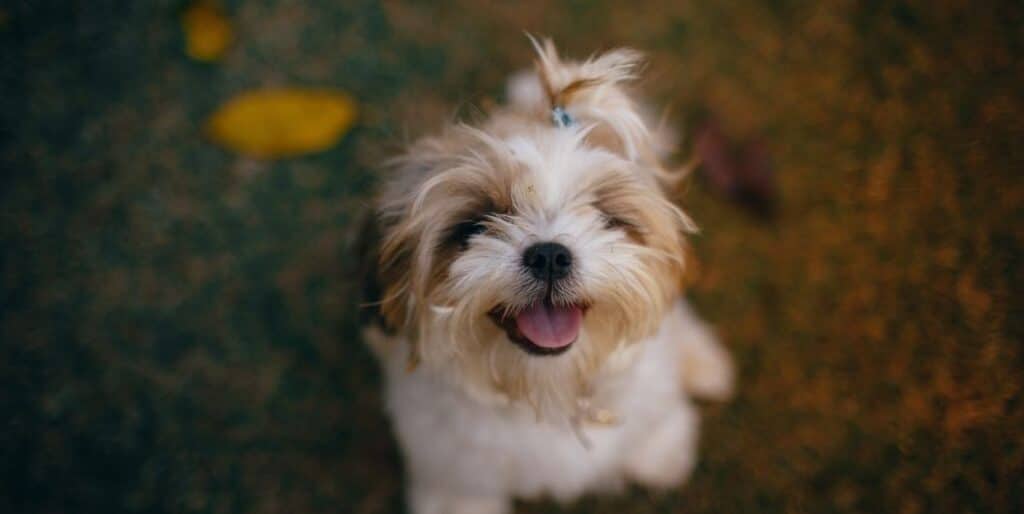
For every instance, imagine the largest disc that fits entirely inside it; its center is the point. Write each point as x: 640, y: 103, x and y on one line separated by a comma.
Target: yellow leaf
x: 272, y: 123
x: 207, y: 30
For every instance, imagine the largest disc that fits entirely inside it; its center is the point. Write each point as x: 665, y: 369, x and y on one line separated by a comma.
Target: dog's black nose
x: 548, y: 261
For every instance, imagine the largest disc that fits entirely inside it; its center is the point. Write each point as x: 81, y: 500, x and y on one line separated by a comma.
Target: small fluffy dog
x: 526, y: 285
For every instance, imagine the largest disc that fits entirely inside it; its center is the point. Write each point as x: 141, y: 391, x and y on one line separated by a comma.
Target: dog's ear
x: 394, y: 275
x: 399, y: 230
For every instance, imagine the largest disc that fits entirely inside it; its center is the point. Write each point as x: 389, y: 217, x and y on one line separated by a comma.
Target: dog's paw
x: 707, y: 370
x: 667, y: 454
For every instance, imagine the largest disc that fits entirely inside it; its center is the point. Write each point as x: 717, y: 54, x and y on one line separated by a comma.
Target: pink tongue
x: 549, y: 326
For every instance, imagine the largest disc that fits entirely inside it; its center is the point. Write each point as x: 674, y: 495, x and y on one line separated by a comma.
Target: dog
x: 524, y: 284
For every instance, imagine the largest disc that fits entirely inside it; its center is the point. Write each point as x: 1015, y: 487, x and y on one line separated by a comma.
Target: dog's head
x: 519, y: 255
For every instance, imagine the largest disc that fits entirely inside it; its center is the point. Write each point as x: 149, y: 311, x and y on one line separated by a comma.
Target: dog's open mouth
x: 542, y: 328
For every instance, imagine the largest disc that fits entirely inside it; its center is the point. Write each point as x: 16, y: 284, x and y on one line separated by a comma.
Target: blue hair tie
x: 561, y: 118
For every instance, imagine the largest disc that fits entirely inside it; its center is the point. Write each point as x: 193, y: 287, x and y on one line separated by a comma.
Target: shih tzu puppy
x: 525, y: 281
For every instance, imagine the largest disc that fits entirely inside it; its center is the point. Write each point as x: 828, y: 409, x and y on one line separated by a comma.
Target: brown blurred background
x: 177, y: 320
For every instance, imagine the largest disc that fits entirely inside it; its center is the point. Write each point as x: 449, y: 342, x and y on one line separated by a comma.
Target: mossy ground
x: 178, y: 322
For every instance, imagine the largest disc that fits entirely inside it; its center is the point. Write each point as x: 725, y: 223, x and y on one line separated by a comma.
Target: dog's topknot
x: 576, y: 83
x: 593, y: 92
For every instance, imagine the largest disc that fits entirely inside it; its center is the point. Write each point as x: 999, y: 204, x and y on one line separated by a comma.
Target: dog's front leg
x: 707, y: 369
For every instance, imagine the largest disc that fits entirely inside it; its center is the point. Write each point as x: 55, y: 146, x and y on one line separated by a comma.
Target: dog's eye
x: 632, y: 230
x: 462, y: 232
x: 613, y: 222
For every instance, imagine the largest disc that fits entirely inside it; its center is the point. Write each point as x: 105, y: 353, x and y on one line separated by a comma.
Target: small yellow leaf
x: 272, y: 123
x: 207, y: 30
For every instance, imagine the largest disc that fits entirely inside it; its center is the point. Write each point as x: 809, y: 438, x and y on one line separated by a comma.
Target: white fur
x: 473, y: 454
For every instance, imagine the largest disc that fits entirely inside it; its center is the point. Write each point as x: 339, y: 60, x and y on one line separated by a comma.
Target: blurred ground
x: 177, y: 324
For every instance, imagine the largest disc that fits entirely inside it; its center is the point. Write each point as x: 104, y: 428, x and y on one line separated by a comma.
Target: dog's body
x: 471, y: 454
x: 532, y: 331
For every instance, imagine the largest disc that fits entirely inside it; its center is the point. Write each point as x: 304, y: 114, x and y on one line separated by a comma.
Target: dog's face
x: 523, y: 262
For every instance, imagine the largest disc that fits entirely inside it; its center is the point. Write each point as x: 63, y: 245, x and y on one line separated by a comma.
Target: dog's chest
x: 488, y: 447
